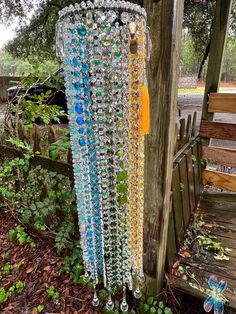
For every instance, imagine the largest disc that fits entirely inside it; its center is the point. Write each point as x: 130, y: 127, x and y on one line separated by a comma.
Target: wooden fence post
x: 165, y: 21
x: 216, y: 54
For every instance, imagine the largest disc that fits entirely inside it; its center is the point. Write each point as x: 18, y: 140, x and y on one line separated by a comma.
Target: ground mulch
x: 38, y: 268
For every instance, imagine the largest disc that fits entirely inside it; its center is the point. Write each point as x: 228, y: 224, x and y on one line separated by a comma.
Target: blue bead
x: 74, y: 50
x: 85, y: 68
x: 82, y: 30
x: 87, y: 102
x: 82, y: 142
x: 85, y: 79
x: 87, y: 91
x: 81, y: 131
x: 94, y: 177
x: 89, y: 233
x: 67, y: 62
x: 78, y: 86
x: 89, y: 132
x: 78, y: 96
x: 80, y: 121
x: 93, y: 168
x: 83, y: 42
x: 72, y: 30
x: 89, y: 113
x: 76, y: 75
x: 83, y: 54
x: 79, y: 109
x: 73, y: 41
x: 89, y: 220
x: 75, y: 62
x: 91, y: 151
x: 92, y: 159
x: 97, y: 221
x: 90, y: 142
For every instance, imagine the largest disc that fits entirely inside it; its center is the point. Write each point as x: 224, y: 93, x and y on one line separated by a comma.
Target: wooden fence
x: 59, y: 167
x: 185, y: 131
x: 186, y: 188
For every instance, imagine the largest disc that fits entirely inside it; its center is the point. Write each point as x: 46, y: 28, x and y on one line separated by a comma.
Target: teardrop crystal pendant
x: 95, y: 301
x: 137, y: 292
x: 124, y: 305
x: 86, y: 276
x: 110, y: 304
x: 142, y: 278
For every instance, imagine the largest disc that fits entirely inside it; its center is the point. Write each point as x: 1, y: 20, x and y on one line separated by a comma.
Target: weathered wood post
x: 216, y: 54
x: 165, y: 21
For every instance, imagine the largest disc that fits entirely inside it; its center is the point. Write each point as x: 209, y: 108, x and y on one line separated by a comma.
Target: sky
x: 6, y: 34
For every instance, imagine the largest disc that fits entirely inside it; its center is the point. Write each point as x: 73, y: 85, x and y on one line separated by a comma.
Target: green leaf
x: 152, y: 310
x: 40, y: 308
x: 168, y: 310
x: 161, y: 305
x: 150, y: 301
x: 145, y: 308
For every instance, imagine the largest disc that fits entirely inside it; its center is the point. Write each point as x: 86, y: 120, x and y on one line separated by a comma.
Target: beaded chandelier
x: 103, y: 46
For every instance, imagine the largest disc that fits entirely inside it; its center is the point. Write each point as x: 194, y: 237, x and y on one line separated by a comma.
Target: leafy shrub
x: 44, y: 199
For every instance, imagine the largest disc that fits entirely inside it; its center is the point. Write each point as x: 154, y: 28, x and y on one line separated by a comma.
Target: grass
x: 199, y: 90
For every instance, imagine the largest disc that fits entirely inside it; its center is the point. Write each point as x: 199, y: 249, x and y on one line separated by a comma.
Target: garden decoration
x: 104, y: 46
x: 216, y: 298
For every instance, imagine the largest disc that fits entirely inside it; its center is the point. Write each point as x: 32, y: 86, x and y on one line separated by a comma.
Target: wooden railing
x: 186, y: 188
x: 220, y: 103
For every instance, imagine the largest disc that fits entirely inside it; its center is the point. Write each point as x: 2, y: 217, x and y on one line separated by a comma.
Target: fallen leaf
x: 34, y: 311
x: 47, y: 268
x: 187, y: 254
x: 29, y: 270
x: 176, y: 264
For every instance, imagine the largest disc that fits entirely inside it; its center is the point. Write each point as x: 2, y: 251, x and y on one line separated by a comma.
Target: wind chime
x: 103, y: 46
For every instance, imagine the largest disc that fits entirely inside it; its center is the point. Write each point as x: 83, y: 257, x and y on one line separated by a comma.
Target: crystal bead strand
x: 127, y: 222
x: 100, y: 108
x: 120, y: 141
x: 118, y: 168
x: 79, y: 185
x: 132, y: 158
x: 83, y: 128
x: 140, y: 163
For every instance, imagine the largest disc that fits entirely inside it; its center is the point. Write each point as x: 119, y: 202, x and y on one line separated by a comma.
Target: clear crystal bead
x: 100, y: 17
x: 111, y: 16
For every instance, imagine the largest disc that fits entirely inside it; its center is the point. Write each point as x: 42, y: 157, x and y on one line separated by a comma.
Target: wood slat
x: 223, y: 156
x: 177, y: 206
x: 171, y: 245
x: 196, y: 171
x: 190, y: 179
x: 220, y: 180
x: 223, y: 103
x: 183, y: 170
x: 219, y: 130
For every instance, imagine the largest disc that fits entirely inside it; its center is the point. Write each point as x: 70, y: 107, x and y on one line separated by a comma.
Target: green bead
x: 118, y: 44
x: 118, y: 54
x: 122, y: 200
x: 123, y: 219
x: 122, y: 188
x: 122, y: 176
x: 106, y: 42
x: 98, y: 94
x: 106, y: 28
x: 119, y: 86
x: 100, y: 122
x: 97, y: 62
x: 121, y: 154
